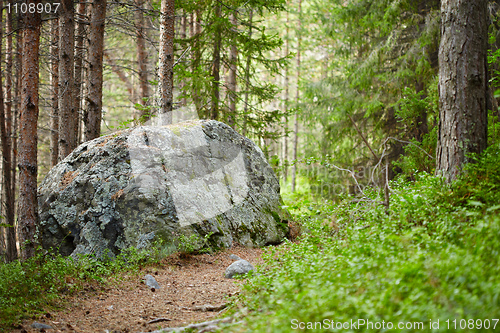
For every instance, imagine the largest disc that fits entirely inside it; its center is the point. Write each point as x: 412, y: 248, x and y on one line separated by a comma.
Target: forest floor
x: 127, y: 304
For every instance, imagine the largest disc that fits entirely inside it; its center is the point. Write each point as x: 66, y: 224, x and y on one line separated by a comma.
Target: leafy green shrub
x: 29, y: 287
x: 432, y: 256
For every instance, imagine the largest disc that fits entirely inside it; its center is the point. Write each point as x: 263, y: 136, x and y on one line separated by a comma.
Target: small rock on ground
x: 234, y: 257
x: 151, y: 281
x: 239, y: 267
x: 41, y: 326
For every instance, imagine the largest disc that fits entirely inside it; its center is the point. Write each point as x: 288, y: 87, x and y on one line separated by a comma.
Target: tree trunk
x: 463, y: 84
x: 285, y: 118
x: 183, y: 36
x: 214, y: 112
x: 247, y: 76
x: 17, y: 97
x: 81, y: 18
x: 28, y: 167
x: 5, y: 130
x: 296, y: 125
x: 166, y: 70
x: 67, y: 112
x: 196, y: 64
x: 142, y: 60
x: 93, y: 109
x: 232, y: 84
x: 54, y: 82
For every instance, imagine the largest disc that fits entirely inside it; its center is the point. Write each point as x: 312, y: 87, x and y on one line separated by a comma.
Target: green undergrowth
x: 433, y: 255
x: 31, y: 287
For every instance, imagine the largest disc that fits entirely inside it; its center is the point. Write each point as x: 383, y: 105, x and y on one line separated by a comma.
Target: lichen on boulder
x: 148, y: 183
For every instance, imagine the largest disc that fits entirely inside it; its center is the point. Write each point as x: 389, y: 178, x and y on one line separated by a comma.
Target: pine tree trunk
x: 54, y: 82
x: 93, y: 108
x: 28, y: 167
x: 214, y: 111
x: 287, y: 96
x: 67, y: 110
x: 166, y: 68
x: 463, y: 84
x: 17, y: 98
x: 142, y: 59
x: 183, y: 36
x: 247, y: 76
x: 196, y: 64
x: 5, y: 130
x: 232, y: 84
x: 296, y: 125
x: 80, y: 32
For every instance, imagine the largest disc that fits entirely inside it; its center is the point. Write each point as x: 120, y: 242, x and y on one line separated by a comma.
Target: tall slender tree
x: 463, y: 83
x: 93, y: 109
x: 214, y: 110
x: 67, y: 112
x: 80, y: 33
x: 166, y: 68
x: 142, y: 58
x: 54, y: 80
x: 28, y: 166
x: 286, y: 102
x: 5, y: 131
x: 297, y: 100
x: 233, y: 67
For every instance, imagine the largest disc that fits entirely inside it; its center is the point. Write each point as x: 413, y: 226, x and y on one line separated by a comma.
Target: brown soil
x: 128, y: 305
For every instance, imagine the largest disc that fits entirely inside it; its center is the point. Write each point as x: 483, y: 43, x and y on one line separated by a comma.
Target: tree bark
x: 17, y: 97
x: 232, y: 84
x: 247, y: 76
x: 463, y: 84
x: 28, y: 167
x: 196, y: 63
x: 54, y: 82
x: 183, y: 35
x: 214, y: 110
x: 67, y: 112
x: 142, y: 59
x: 287, y: 96
x: 296, y: 125
x: 5, y: 130
x: 93, y: 109
x: 166, y: 68
x: 80, y: 32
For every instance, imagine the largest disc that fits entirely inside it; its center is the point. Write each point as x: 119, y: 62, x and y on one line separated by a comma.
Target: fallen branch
x: 158, y: 320
x: 210, y: 308
x: 206, y: 326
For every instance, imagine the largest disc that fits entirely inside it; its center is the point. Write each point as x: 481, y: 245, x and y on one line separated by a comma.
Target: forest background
x: 342, y: 97
x: 336, y: 93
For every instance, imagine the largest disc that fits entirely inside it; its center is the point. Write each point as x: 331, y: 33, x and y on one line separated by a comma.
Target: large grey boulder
x: 198, y: 182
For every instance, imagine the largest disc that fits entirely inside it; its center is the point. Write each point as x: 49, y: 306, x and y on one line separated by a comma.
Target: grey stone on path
x: 239, y: 267
x: 41, y: 326
x: 151, y: 281
x: 234, y: 257
x: 158, y: 183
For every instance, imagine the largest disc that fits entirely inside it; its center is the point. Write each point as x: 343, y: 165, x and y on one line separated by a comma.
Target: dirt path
x: 130, y: 306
